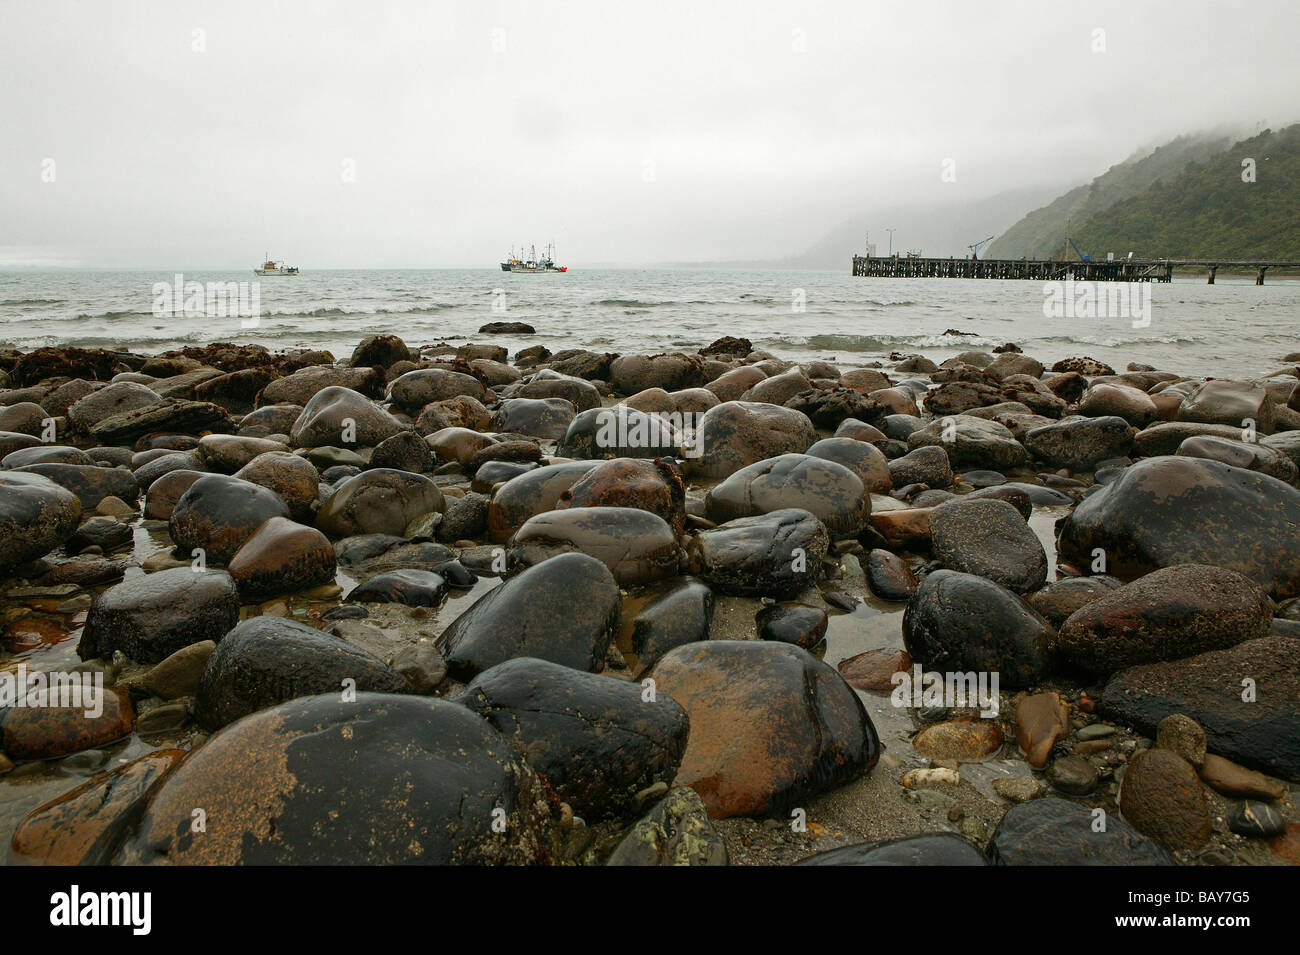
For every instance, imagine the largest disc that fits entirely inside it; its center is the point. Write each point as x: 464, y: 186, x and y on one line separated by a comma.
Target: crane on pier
x: 1082, y: 256
x: 975, y: 249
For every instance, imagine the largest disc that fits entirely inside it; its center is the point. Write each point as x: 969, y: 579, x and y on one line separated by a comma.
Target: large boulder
x: 829, y: 491
x: 282, y: 557
x: 637, y: 546
x: 971, y: 442
x: 415, y: 389
x: 1246, y: 698
x: 36, y: 516
x: 563, y: 610
x: 775, y: 554
x: 594, y: 740
x: 865, y: 460
x: 1179, y: 510
x: 632, y: 373
x: 382, y: 501
x: 988, y: 538
x: 90, y: 483
x: 654, y: 486
x: 1058, y: 832
x: 338, y: 417
x: 150, y: 617
x: 268, y: 660
x: 380, y: 780
x: 547, y: 418
x: 621, y: 432
x: 770, y: 725
x: 1106, y: 399
x: 735, y: 434
x: 304, y: 384
x: 218, y: 513
x: 530, y: 494
x: 1168, y: 614
x: 1079, y: 443
x: 1251, y: 455
x: 958, y: 622
x: 1238, y: 403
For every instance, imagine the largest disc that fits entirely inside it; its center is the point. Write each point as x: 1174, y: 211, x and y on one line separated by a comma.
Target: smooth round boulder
x: 657, y: 618
x: 403, y: 779
x: 990, y: 539
x: 790, y: 622
x: 1057, y: 832
x: 928, y: 465
x: 563, y: 610
x: 530, y: 494
x: 971, y: 442
x: 1113, y: 399
x: 294, y: 478
x: 1238, y: 403
x: 340, y: 417
x: 638, y: 547
x: 1250, y: 455
x: 888, y: 575
x: 1168, y: 614
x: 411, y: 587
x: 268, y: 660
x: 1080, y: 443
x: 90, y: 483
x: 621, y: 432
x: 770, y: 725
x: 775, y: 554
x: 654, y: 486
x: 829, y: 491
x: 863, y: 459
x: 958, y: 622
x: 1244, y: 521
x: 282, y: 557
x: 381, y: 501
x: 227, y: 453
x: 546, y: 418
x: 152, y: 616
x: 415, y: 389
x: 36, y: 516
x: 735, y: 434
x: 594, y: 740
x: 218, y: 513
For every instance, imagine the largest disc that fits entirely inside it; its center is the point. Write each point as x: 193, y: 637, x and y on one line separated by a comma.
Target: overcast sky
x: 626, y: 131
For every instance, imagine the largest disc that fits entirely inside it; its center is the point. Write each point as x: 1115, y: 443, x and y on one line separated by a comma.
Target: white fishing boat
x: 271, y: 267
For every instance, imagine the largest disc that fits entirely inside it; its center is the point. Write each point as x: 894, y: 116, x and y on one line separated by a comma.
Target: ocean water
x: 1228, y: 329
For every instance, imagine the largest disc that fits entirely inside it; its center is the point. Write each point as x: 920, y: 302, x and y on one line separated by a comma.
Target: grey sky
x: 465, y: 140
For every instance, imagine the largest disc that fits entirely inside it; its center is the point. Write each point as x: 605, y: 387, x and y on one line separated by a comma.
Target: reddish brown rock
x: 46, y: 732
x: 1041, y: 719
x: 964, y: 740
x: 873, y: 671
x: 1162, y: 798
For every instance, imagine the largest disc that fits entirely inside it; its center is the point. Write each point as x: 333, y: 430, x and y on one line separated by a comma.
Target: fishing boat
x: 533, y: 264
x: 271, y: 267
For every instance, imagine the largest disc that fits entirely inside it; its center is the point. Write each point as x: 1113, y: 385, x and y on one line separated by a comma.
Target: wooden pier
x: 1044, y: 270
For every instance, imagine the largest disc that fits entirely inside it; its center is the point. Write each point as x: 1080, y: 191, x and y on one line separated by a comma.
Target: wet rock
x: 960, y: 622
x: 1041, y: 719
x: 1110, y: 399
x: 888, y: 575
x: 381, y: 350
x: 620, y: 432
x: 91, y: 484
x: 1168, y: 614
x: 218, y: 513
x: 530, y: 494
x: 971, y: 442
x: 282, y: 557
x: 465, y: 518
x: 1261, y: 732
x: 1060, y: 598
x: 337, y: 416
x: 11, y: 441
x: 227, y: 453
x: 106, y: 533
x: 173, y: 415
x: 1236, y: 403
x: 826, y: 408
x: 638, y: 547
x: 965, y: 740
x: 1072, y: 775
x: 730, y: 385
x: 1226, y: 777
x: 775, y: 554
x: 415, y: 389
x: 152, y: 616
x: 583, y: 395
x: 675, y: 832
x: 864, y: 460
x: 112, y: 399
x: 84, y: 572
x: 547, y: 418
x: 594, y: 740
x: 406, y: 451
x: 414, y: 588
x: 87, y: 825
x: 406, y: 780
x: 654, y: 486
x: 1057, y: 832
x: 771, y: 725
x: 1256, y: 820
x: 504, y: 451
x: 165, y: 462
x: 735, y: 434
x: 1244, y: 521
x: 380, y: 501
x: 48, y: 730
x: 874, y: 670
x: 563, y: 610
x: 1243, y: 454
x: 179, y: 674
x: 160, y: 500
x: 36, y: 516
x: 990, y: 539
x: 927, y: 465
x: 930, y: 848
x: 370, y: 554
x: 1080, y: 443
x: 829, y: 491
x: 664, y: 616
x: 790, y: 622
x: 235, y: 391
x: 1182, y: 735
x: 458, y: 444
x: 1162, y: 798
x: 861, y: 431
x: 45, y: 454
x: 271, y: 419
x: 958, y: 397
x: 632, y: 373
x: 291, y: 476
x: 268, y: 660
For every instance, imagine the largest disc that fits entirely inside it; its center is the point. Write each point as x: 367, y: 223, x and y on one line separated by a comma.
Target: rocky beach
x: 453, y: 604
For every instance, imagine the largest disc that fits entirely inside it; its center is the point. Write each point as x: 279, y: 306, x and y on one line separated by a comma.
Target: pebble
x: 921, y: 778
x: 1096, y: 731
x: 1018, y: 789
x: 1256, y: 820
x: 1072, y: 775
x: 1182, y: 735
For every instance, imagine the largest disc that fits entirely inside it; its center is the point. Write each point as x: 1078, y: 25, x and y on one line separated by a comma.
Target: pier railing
x: 1046, y: 270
